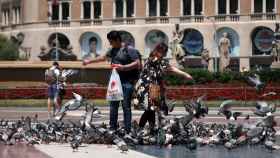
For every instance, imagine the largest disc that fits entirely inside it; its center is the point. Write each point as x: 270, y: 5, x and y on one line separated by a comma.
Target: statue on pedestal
x: 224, y: 52
x: 275, y: 52
x: 178, y: 53
x: 205, y: 58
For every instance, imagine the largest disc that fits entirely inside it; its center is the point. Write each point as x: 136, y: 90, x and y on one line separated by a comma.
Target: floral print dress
x: 152, y: 73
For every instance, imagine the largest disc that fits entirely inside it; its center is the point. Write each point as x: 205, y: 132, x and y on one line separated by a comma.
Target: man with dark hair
x: 126, y: 60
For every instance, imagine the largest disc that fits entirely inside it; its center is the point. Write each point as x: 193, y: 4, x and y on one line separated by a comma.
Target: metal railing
x: 154, y: 20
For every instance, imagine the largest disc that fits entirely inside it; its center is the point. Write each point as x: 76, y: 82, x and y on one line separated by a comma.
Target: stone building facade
x: 82, y: 25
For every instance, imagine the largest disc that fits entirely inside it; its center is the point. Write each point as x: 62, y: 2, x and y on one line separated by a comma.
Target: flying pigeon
x: 256, y: 82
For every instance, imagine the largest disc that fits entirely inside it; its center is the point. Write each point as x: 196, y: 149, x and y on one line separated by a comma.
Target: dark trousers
x: 126, y: 105
x: 148, y: 116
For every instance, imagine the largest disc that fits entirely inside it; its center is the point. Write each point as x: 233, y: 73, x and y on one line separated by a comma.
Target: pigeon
x: 225, y: 109
x: 198, y: 107
x: 256, y: 82
x: 171, y: 105
x: 264, y: 109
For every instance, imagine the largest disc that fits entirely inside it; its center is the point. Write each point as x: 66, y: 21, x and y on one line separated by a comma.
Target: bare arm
x: 179, y: 72
x: 128, y: 67
x: 95, y: 60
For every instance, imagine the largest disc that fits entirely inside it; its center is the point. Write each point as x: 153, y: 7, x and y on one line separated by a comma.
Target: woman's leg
x: 143, y: 119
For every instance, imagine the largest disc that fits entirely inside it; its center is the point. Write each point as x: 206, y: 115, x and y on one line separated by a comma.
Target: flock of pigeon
x: 185, y: 130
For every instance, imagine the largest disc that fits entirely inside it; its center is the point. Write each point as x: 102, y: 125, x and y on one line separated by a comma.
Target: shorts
x: 52, y: 91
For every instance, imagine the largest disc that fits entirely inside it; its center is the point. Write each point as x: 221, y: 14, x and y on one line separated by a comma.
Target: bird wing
x: 225, y: 105
x: 201, y: 98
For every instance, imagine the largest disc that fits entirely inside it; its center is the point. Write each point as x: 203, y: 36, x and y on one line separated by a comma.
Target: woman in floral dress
x: 151, y: 83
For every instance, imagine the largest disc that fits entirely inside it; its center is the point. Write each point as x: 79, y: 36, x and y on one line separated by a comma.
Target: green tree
x: 8, y: 50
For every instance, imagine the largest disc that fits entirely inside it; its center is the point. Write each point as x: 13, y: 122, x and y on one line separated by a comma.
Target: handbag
x: 154, y: 94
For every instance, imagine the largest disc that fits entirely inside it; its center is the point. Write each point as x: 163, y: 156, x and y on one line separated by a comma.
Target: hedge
x: 202, y: 76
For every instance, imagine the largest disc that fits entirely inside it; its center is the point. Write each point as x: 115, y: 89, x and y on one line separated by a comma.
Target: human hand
x: 86, y: 62
x: 118, y: 67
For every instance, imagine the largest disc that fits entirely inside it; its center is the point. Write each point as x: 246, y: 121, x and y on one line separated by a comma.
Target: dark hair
x: 161, y: 47
x: 114, y: 35
x: 55, y: 63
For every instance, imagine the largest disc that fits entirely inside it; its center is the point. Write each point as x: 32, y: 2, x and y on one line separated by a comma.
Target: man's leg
x: 114, y: 106
x: 126, y: 104
x: 49, y: 107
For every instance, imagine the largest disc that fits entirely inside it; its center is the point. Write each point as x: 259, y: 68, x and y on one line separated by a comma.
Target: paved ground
x: 89, y: 151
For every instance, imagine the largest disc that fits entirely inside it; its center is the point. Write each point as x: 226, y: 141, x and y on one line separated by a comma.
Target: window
x: 65, y: 11
x: 87, y: 10
x: 55, y: 12
x: 270, y: 6
x: 163, y: 7
x: 234, y: 7
x: 152, y: 7
x: 222, y: 7
x: 258, y: 6
x: 119, y: 8
x: 198, y: 7
x: 130, y: 8
x: 97, y: 9
x: 187, y: 7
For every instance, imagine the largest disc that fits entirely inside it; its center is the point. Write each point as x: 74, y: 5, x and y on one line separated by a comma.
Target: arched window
x: 262, y: 38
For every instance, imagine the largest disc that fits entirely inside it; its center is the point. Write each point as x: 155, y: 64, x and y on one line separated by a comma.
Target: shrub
x: 8, y: 50
x: 202, y: 76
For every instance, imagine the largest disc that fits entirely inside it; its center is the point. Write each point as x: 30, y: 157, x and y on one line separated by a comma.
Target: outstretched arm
x: 95, y: 60
x: 128, y: 67
x: 180, y: 72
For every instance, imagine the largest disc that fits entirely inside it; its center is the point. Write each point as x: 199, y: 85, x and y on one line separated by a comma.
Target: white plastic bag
x: 114, y: 90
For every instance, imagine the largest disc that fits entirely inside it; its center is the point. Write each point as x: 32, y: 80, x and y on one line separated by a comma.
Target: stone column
x: 124, y: 9
x: 50, y: 10
x: 192, y: 8
x: 228, y: 7
x: 3, y: 18
x: 264, y: 6
x: 134, y: 9
x: 168, y: 8
x: 92, y: 10
x: 147, y: 8
x: 158, y: 7
x: 264, y: 9
x: 181, y: 8
x: 14, y: 15
x: 60, y: 11
x: 216, y: 7
x: 70, y: 10
x: 275, y: 6
x: 238, y: 10
x: 82, y: 10
x: 203, y: 7
x: 114, y: 9
x: 252, y: 6
x: 18, y: 15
